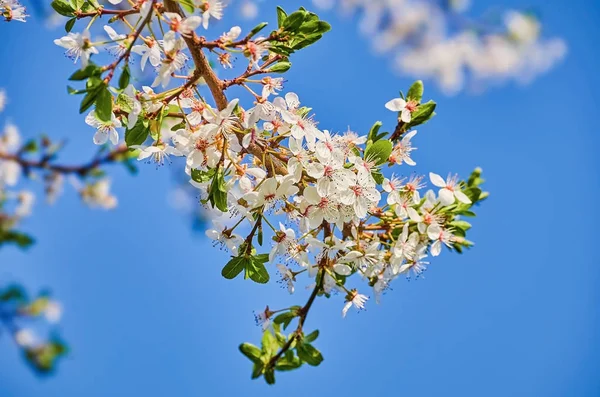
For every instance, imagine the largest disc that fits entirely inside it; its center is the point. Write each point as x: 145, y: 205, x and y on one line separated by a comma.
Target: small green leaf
x: 280, y: 67
x: 257, y: 370
x: 22, y: 240
x: 87, y: 72
x: 281, y: 16
x: 104, y: 104
x: 462, y: 225
x: 125, y: 77
x: 257, y: 29
x: 187, y: 5
x: 288, y: 362
x: 202, y: 176
x: 270, y: 376
x: 312, y: 336
x: 251, y: 351
x: 373, y: 131
x: 379, y: 151
x: 63, y: 8
x: 309, y: 354
x: 234, y: 267
x: 73, y: 91
x: 69, y: 24
x: 293, y: 21
x: 283, y: 317
x: 217, y: 194
x: 257, y: 271
x: 137, y: 134
x: 415, y: 92
x: 88, y: 100
x: 424, y: 112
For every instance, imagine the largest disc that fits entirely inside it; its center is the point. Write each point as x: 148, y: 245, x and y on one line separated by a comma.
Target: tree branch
x: 81, y: 170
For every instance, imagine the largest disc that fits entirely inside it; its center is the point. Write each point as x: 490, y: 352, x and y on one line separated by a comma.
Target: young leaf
x: 309, y: 354
x: 234, y: 267
x: 280, y: 67
x: 87, y: 72
x: 187, y: 5
x: 104, y: 104
x: 424, y: 112
x: 415, y: 92
x: 379, y: 151
x: 136, y: 135
x: 88, y: 100
x: 373, y: 131
x: 257, y: 271
x: 125, y: 77
x: 293, y: 21
x: 63, y: 8
x: 257, y: 29
x: 312, y: 336
x: 251, y: 351
x: 69, y: 24
x: 281, y: 16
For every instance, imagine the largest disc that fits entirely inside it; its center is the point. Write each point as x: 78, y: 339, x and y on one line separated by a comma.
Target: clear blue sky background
x: 147, y: 312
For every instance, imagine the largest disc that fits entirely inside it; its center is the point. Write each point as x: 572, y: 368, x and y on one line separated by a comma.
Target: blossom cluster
x: 441, y: 41
x: 335, y: 204
x: 23, y: 164
x: 24, y: 319
x: 12, y: 10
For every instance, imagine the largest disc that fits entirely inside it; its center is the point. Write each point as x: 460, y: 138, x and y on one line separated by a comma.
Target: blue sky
x: 148, y: 313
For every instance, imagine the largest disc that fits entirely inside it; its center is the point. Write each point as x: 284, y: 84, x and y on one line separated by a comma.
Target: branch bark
x: 216, y: 86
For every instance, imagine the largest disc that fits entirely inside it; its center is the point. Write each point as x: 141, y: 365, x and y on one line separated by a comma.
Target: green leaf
x: 293, y: 21
x: 217, y: 194
x: 373, y: 131
x: 424, y: 112
x: 187, y: 5
x: 234, y: 267
x: 269, y: 343
x: 280, y: 67
x: 202, y: 176
x: 88, y: 100
x: 462, y: 225
x: 87, y: 72
x: 63, y: 8
x: 281, y: 16
x: 73, y: 91
x: 22, y: 240
x: 257, y: 270
x: 309, y: 354
x: 137, y: 135
x: 104, y: 104
x: 257, y: 370
x: 315, y: 27
x: 270, y: 376
x: 257, y: 29
x: 312, y: 336
x: 283, y: 317
x: 69, y: 24
x: 288, y: 362
x: 251, y: 351
x: 415, y: 92
x: 379, y: 151
x: 77, y: 4
x: 125, y: 77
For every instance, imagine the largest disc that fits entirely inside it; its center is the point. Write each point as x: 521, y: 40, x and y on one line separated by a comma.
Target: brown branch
x: 81, y: 170
x: 125, y: 56
x: 303, y: 312
x: 301, y: 319
x: 101, y: 11
x: 204, y: 70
